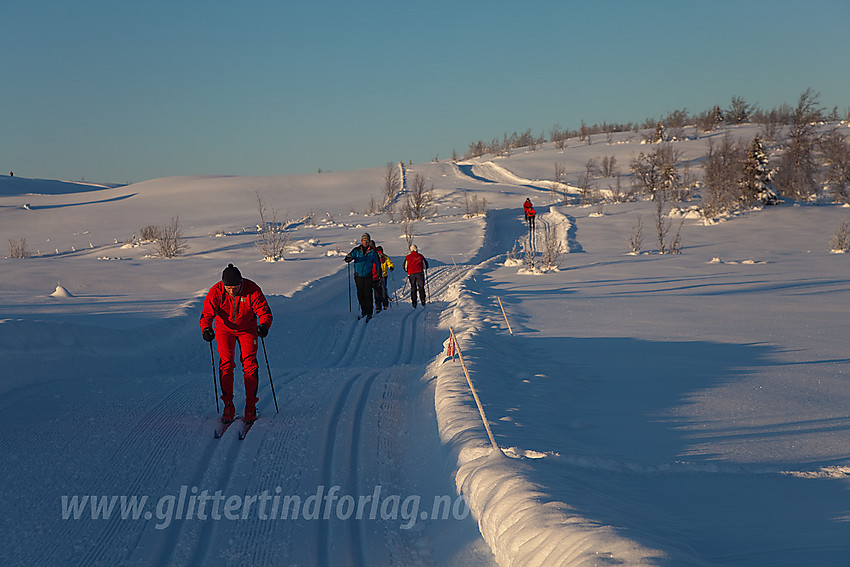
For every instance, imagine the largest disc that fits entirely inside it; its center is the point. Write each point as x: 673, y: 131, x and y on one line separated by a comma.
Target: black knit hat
x: 231, y: 276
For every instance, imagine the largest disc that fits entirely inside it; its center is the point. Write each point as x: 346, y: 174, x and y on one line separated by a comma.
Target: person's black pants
x: 417, y: 283
x: 364, y: 294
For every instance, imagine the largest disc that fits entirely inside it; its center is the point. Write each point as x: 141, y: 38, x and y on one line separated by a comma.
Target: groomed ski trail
x: 355, y: 413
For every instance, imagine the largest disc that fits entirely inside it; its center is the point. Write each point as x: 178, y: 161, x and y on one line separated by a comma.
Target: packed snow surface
x: 647, y: 409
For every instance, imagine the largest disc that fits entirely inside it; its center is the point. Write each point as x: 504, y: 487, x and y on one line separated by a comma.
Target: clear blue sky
x: 120, y: 91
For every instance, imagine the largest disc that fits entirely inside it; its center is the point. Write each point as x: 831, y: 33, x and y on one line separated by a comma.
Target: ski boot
x: 229, y: 413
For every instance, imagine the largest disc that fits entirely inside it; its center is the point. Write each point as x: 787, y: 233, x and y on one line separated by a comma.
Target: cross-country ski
x: 246, y: 426
x: 221, y: 428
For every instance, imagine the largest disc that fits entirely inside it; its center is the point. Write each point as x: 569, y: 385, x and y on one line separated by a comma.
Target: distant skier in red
x: 530, y: 213
x: 241, y: 313
x: 415, y: 265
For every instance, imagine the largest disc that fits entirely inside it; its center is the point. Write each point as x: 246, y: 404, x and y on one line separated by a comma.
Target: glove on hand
x: 208, y: 334
x: 348, y: 258
x: 263, y: 330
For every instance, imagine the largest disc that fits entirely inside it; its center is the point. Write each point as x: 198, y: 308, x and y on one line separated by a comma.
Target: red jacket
x: 241, y: 313
x: 414, y: 262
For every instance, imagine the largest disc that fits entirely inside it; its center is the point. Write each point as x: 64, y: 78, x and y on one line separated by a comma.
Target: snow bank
x: 520, y: 523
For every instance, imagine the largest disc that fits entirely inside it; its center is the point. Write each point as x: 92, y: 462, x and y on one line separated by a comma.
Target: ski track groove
x: 323, y: 535
x: 258, y: 536
x: 104, y: 551
x: 236, y: 454
x: 353, y: 347
x: 231, y: 447
x: 351, y: 330
x: 261, y: 536
x: 356, y: 527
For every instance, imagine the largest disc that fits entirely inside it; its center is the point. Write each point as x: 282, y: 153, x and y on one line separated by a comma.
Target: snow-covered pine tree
x: 660, y: 133
x: 756, y: 177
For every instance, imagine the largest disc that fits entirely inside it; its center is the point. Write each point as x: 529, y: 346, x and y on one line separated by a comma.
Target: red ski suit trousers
x: 226, y: 340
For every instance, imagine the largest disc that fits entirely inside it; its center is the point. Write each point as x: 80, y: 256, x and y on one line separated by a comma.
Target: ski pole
x: 263, y: 341
x: 215, y: 382
x: 427, y: 285
x: 395, y: 299
x: 349, y: 287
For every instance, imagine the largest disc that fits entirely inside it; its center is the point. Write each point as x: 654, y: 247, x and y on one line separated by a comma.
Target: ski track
x: 215, y: 468
x: 106, y: 547
x: 341, y: 423
x: 323, y: 536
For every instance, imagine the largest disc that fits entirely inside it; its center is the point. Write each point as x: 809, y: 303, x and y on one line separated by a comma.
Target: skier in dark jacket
x: 366, y: 267
x: 241, y: 313
x: 415, y: 265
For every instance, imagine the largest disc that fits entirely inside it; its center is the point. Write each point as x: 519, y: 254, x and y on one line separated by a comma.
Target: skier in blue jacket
x: 367, y: 267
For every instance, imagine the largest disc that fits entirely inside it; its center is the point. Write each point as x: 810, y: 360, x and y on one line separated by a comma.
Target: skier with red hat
x: 241, y: 314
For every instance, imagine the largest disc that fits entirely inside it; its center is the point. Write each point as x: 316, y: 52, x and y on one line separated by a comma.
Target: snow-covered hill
x: 649, y: 409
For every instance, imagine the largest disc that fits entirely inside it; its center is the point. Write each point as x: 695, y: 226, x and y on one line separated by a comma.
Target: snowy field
x: 653, y: 409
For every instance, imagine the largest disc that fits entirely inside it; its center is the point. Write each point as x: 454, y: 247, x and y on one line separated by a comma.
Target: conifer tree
x: 756, y: 178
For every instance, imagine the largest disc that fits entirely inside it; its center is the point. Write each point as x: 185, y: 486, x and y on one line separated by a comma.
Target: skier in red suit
x: 241, y: 313
x: 415, y: 265
x: 530, y: 213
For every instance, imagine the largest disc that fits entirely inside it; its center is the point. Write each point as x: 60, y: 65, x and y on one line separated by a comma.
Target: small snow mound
x: 61, y: 292
x: 716, y: 260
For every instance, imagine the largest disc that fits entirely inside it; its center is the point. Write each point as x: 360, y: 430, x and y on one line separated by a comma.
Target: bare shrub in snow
x: 272, y: 237
x: 798, y: 169
x: 617, y: 195
x: 392, y: 185
x: 407, y: 232
x: 559, y: 182
x: 636, y: 239
x: 836, y: 153
x: 721, y: 192
x: 608, y: 166
x: 586, y: 183
x: 656, y: 171
x: 552, y: 247
x: 149, y: 233
x: 662, y: 227
x: 18, y: 248
x: 171, y: 242
x: 474, y: 206
x: 420, y: 198
x: 528, y: 255
x: 771, y: 125
x: 840, y: 242
x: 373, y: 206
